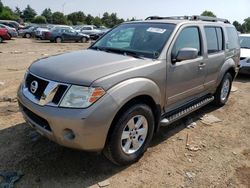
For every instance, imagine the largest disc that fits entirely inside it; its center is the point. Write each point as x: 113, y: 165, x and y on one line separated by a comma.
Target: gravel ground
x: 216, y: 155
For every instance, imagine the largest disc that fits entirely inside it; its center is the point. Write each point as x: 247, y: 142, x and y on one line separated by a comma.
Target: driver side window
x: 189, y: 37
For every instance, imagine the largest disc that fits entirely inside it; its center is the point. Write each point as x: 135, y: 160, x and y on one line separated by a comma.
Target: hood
x: 244, y: 52
x: 83, y: 67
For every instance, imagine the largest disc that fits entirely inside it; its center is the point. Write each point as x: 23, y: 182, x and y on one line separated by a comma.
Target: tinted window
x: 233, y: 39
x: 212, y: 42
x: 188, y: 38
x: 214, y: 36
x: 220, y: 37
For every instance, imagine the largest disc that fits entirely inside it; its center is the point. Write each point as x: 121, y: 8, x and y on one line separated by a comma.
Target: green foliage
x: 1, y: 6
x: 7, y: 14
x: 77, y: 17
x: 110, y: 20
x: 47, y: 13
x: 29, y: 14
x: 208, y: 13
x: 59, y: 18
x: 246, y: 25
x: 40, y: 20
x: 238, y: 26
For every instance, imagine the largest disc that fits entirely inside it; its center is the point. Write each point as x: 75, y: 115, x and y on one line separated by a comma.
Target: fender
x: 225, y: 67
x: 129, y: 89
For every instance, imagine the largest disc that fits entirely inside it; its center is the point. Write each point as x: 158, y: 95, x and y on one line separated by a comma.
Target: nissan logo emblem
x: 33, y: 86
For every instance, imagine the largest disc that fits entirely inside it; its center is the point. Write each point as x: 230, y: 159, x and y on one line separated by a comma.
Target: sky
x: 140, y: 9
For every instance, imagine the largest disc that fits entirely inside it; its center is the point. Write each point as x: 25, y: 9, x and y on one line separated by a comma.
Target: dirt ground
x: 222, y: 159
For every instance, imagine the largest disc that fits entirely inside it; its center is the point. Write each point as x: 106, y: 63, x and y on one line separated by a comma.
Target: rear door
x: 214, y: 53
x: 186, y: 78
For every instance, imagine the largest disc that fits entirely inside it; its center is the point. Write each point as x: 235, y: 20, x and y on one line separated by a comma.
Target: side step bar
x: 185, y: 110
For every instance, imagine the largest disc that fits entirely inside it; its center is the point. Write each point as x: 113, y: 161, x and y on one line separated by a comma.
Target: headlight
x: 81, y: 97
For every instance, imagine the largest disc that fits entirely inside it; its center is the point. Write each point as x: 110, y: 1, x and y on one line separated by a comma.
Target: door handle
x: 202, y: 65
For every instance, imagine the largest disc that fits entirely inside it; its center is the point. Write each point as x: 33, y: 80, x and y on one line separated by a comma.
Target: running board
x: 185, y: 110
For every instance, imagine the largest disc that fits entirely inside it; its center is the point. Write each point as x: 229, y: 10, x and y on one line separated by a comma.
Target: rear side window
x: 188, y: 38
x: 214, y: 36
x: 233, y: 39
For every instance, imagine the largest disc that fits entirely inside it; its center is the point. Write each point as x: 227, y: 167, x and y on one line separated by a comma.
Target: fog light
x: 68, y: 134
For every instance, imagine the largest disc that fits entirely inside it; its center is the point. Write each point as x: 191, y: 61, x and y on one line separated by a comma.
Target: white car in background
x: 245, y: 54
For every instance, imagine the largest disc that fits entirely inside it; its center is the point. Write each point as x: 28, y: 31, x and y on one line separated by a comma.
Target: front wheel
x: 1, y: 39
x: 130, y: 135
x: 223, y: 91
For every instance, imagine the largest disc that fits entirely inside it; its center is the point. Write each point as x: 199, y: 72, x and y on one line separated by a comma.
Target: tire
x: 52, y: 41
x: 27, y: 35
x: 83, y: 39
x: 135, y: 138
x: 223, y: 91
x: 1, y: 39
x: 58, y: 40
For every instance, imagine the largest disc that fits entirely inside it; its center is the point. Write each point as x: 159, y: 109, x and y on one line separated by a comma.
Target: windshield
x: 245, y: 42
x: 142, y: 39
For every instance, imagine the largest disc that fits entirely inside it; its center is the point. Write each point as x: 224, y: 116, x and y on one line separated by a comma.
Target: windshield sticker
x: 156, y: 30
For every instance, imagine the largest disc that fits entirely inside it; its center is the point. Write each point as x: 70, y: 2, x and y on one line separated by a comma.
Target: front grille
x: 60, y: 92
x: 42, y: 84
x: 44, y: 94
x: 37, y: 119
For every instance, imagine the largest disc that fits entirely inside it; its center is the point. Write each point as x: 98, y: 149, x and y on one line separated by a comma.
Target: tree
x: 77, y: 17
x: 89, y: 19
x: 238, y: 26
x: 1, y: 6
x: 18, y: 12
x: 208, y: 13
x: 246, y: 25
x: 39, y: 20
x: 29, y: 14
x: 7, y: 14
x: 47, y: 13
x: 59, y: 18
x: 97, y: 21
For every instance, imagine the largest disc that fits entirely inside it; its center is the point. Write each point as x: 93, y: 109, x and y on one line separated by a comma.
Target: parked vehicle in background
x: 28, y: 33
x: 89, y: 29
x: 11, y: 31
x: 46, y: 35
x: 11, y: 23
x: 60, y: 34
x: 39, y: 32
x: 114, y: 96
x: 95, y: 36
x: 245, y: 54
x: 4, y: 35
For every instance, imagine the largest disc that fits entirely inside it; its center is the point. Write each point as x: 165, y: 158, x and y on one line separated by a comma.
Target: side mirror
x: 186, y: 54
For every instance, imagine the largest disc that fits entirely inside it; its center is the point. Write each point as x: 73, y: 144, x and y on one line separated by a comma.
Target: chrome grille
x: 47, y: 93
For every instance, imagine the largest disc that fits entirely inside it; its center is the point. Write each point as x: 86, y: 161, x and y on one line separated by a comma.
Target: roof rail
x: 195, y: 17
x: 209, y: 19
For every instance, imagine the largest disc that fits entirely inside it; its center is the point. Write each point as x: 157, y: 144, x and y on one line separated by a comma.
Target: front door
x: 186, y: 78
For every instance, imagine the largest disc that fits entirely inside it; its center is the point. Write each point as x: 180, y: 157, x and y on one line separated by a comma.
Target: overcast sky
x: 230, y: 9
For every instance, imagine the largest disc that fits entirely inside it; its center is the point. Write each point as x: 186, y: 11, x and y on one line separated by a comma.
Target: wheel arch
x: 228, y: 67
x: 142, y: 99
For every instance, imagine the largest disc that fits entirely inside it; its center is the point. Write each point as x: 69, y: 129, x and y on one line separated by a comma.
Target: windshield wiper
x: 124, y: 52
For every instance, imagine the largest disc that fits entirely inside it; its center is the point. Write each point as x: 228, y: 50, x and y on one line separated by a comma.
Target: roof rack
x: 192, y: 18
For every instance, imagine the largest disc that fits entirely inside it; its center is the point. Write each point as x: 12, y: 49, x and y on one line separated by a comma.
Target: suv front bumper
x: 84, y: 129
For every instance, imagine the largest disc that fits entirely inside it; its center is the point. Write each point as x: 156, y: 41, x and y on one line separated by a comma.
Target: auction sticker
x: 156, y: 30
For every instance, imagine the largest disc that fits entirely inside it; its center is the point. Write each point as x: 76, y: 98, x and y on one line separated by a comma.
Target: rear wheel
x: 130, y: 135
x: 58, y: 40
x: 223, y: 91
x: 1, y: 39
x: 84, y: 40
x: 27, y: 35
